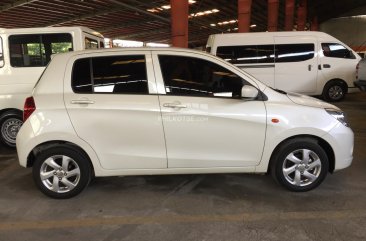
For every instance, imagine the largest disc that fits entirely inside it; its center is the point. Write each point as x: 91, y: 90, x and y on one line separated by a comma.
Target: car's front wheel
x: 61, y: 171
x: 300, y: 164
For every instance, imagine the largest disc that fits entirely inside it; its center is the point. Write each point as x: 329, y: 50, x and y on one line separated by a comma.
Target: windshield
x: 1, y: 53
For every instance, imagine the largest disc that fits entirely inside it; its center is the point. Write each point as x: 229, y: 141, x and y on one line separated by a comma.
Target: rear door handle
x: 326, y: 66
x: 309, y: 67
x: 174, y: 105
x: 85, y: 102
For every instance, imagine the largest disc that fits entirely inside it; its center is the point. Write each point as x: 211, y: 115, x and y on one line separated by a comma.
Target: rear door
x: 113, y: 107
x: 296, y: 64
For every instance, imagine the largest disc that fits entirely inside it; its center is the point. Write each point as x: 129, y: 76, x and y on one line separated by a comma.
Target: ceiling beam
x: 15, y: 4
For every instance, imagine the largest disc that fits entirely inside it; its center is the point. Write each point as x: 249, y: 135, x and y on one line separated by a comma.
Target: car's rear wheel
x: 300, y: 164
x: 10, y: 123
x: 62, y: 171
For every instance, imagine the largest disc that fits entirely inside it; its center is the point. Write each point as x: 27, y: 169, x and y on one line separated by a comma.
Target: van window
x: 335, y: 50
x: 91, y: 43
x: 294, y: 52
x: 115, y: 74
x: 35, y: 50
x: 247, y: 54
x: 198, y: 77
x: 1, y: 53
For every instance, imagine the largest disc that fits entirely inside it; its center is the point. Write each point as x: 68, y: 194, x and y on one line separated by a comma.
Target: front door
x: 296, y: 64
x: 206, y: 122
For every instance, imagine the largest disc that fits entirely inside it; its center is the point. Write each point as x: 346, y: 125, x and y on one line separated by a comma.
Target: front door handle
x: 85, y: 102
x: 327, y: 66
x: 175, y: 105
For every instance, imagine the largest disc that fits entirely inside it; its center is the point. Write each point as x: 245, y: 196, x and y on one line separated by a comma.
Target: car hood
x: 309, y: 101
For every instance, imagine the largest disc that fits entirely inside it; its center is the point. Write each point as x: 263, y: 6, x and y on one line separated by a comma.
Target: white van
x: 312, y: 63
x: 24, y: 54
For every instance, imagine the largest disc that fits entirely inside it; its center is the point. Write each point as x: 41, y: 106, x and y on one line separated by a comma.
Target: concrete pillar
x: 289, y: 15
x: 302, y: 15
x: 314, y: 24
x: 244, y: 12
x: 179, y: 17
x: 273, y: 6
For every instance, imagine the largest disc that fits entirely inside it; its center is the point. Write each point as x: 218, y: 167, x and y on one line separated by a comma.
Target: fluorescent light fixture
x: 253, y: 25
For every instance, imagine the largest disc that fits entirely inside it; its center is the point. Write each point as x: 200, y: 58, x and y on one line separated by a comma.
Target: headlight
x: 339, y: 115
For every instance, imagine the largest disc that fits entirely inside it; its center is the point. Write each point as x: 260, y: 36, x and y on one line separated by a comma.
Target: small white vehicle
x: 144, y: 111
x: 311, y: 63
x: 361, y: 75
x: 24, y: 54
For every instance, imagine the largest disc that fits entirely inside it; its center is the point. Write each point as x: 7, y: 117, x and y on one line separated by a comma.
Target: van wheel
x: 300, y: 165
x: 10, y: 123
x: 334, y: 91
x: 61, y: 171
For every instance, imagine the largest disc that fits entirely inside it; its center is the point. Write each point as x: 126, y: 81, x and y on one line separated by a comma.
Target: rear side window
x: 115, y: 74
x: 35, y: 50
x: 294, y: 52
x: 247, y: 54
x: 91, y: 43
x: 335, y: 50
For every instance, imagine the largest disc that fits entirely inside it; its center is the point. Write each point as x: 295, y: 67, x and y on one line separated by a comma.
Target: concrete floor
x: 191, y: 207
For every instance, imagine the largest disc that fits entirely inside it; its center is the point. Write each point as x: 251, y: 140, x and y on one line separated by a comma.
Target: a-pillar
x: 289, y: 15
x: 314, y: 24
x: 302, y: 15
x: 179, y: 17
x: 273, y: 6
x: 244, y: 12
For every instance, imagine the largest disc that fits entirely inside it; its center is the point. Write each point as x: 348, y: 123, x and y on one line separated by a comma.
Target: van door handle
x: 174, y: 105
x: 319, y: 67
x: 85, y: 102
x: 326, y: 66
x: 309, y: 67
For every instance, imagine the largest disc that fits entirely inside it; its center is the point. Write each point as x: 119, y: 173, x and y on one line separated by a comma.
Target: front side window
x: 114, y: 74
x: 198, y: 77
x: 335, y: 50
x: 91, y: 43
x: 294, y: 52
x: 1, y: 53
x: 247, y: 54
x: 35, y: 50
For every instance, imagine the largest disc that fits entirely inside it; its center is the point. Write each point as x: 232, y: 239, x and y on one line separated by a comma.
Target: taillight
x: 357, y: 67
x: 29, y: 108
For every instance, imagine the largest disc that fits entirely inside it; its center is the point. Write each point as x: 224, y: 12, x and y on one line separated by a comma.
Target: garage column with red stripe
x: 289, y: 15
x: 273, y: 6
x: 244, y: 13
x: 302, y: 15
x: 179, y: 17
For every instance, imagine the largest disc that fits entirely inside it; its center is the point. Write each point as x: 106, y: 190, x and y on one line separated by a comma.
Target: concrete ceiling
x: 129, y: 19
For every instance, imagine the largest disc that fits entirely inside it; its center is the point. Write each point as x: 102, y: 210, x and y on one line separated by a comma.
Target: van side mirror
x: 248, y: 91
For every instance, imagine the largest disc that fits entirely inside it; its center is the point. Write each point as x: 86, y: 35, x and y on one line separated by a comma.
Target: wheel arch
x: 45, y: 145
x: 324, y: 144
x: 337, y: 80
x: 20, y: 112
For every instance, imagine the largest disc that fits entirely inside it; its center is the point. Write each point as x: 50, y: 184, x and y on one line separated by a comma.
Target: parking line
x: 176, y: 219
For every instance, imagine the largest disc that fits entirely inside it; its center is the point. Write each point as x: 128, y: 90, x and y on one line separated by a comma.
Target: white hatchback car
x: 172, y: 111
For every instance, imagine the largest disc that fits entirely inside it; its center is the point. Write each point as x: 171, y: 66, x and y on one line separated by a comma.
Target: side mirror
x: 249, y: 91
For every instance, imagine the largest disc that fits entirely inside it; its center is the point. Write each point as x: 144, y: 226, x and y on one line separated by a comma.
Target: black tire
x: 334, y: 91
x: 10, y: 123
x: 281, y: 161
x: 77, y: 159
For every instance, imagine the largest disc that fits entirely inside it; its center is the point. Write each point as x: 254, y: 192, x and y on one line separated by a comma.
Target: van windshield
x: 1, y: 53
